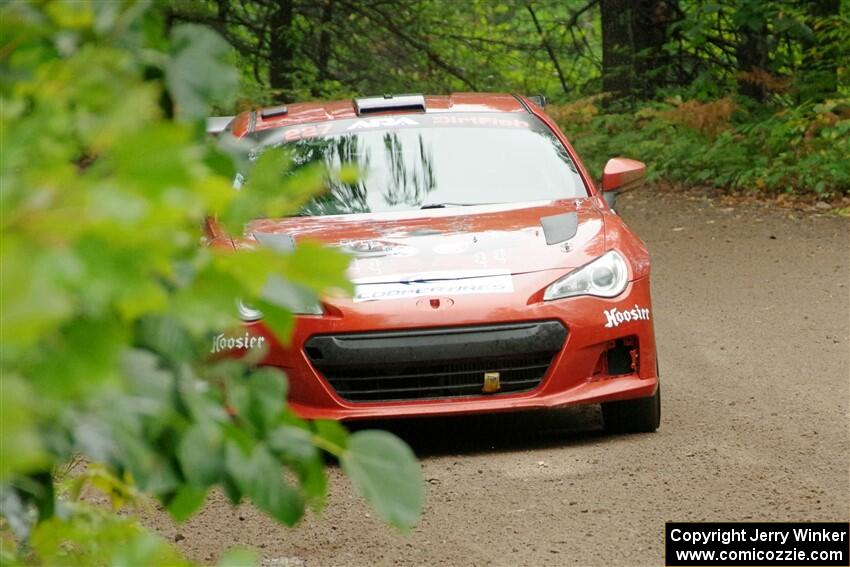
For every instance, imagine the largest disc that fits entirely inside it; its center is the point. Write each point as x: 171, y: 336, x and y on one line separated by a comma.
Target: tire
x: 642, y: 415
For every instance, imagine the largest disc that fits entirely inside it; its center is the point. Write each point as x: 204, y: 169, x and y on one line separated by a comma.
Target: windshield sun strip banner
x: 330, y: 128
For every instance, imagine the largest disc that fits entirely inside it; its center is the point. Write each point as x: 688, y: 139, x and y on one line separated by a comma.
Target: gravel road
x: 751, y: 307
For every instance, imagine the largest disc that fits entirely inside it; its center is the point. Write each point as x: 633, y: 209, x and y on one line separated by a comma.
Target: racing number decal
x: 312, y: 131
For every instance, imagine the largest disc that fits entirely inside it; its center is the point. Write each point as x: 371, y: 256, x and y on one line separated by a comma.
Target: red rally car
x: 491, y: 273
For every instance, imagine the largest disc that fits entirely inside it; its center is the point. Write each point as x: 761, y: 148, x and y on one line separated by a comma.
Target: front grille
x: 436, y: 363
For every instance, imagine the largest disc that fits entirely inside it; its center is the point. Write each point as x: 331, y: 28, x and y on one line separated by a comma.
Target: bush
x: 721, y: 144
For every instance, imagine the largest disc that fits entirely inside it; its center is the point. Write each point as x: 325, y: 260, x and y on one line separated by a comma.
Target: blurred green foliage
x: 110, y: 301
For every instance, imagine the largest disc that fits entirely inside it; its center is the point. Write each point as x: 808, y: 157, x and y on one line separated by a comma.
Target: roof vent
x: 389, y: 102
x: 273, y: 111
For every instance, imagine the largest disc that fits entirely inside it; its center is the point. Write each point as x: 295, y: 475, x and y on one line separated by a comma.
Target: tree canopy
x: 734, y: 94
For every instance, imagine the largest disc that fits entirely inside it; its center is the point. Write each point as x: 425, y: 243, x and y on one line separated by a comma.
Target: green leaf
x: 239, y: 557
x: 267, y: 388
x: 187, y: 500
x: 152, y: 386
x: 23, y: 451
x: 228, y: 486
x: 197, y: 74
x: 318, y: 267
x: 331, y: 432
x: 85, y: 358
x: 15, y: 513
x: 279, y: 320
x: 297, y: 298
x: 33, y: 300
x: 314, y: 482
x: 239, y: 401
x: 294, y: 446
x: 144, y: 160
x: 220, y: 162
x: 293, y: 442
x: 136, y: 454
x: 200, y: 454
x: 164, y: 335
x: 267, y: 174
x: 161, y: 476
x: 260, y: 477
x: 385, y: 472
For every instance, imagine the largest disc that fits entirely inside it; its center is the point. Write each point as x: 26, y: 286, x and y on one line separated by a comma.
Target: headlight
x: 606, y: 276
x: 309, y: 309
x: 248, y: 313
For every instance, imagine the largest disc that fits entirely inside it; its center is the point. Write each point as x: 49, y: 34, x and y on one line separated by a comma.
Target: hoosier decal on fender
x: 223, y: 342
x: 614, y: 316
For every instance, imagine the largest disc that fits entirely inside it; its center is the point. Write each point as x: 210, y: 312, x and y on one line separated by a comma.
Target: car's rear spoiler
x: 217, y: 124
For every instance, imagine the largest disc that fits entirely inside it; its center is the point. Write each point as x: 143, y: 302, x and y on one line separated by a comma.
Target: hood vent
x: 559, y: 228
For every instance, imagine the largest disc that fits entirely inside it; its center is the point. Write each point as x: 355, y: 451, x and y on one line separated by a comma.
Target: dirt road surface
x: 751, y: 307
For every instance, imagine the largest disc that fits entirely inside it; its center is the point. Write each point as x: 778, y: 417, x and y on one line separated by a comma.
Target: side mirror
x: 622, y: 174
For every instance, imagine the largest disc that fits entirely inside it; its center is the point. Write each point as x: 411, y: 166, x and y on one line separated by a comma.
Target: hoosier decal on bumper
x: 614, y: 316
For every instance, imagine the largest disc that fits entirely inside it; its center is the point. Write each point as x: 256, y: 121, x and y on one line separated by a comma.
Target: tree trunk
x: 651, y: 20
x: 282, y: 50
x: 821, y: 56
x: 617, y: 46
x: 633, y: 36
x: 751, y: 51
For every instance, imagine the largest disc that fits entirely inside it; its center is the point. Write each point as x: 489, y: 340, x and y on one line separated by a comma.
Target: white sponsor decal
x: 614, y: 316
x: 435, y: 284
x: 222, y: 342
x: 478, y: 121
x: 384, y: 121
x: 450, y: 248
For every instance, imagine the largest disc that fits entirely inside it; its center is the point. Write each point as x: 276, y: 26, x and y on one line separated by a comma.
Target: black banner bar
x: 757, y: 543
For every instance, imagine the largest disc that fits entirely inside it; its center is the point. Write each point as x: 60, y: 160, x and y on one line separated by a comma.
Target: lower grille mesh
x: 374, y: 367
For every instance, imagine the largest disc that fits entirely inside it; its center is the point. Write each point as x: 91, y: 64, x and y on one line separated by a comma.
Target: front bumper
x: 573, y: 374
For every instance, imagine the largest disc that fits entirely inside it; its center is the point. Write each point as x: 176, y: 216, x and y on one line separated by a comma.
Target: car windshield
x: 408, y: 162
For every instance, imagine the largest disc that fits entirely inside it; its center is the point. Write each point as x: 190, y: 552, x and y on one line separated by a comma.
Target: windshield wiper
x: 446, y: 205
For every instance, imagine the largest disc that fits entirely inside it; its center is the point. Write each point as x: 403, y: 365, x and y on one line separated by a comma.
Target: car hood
x: 456, y: 242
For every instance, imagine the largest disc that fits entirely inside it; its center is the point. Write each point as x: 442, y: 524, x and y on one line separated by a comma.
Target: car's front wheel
x: 642, y: 415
